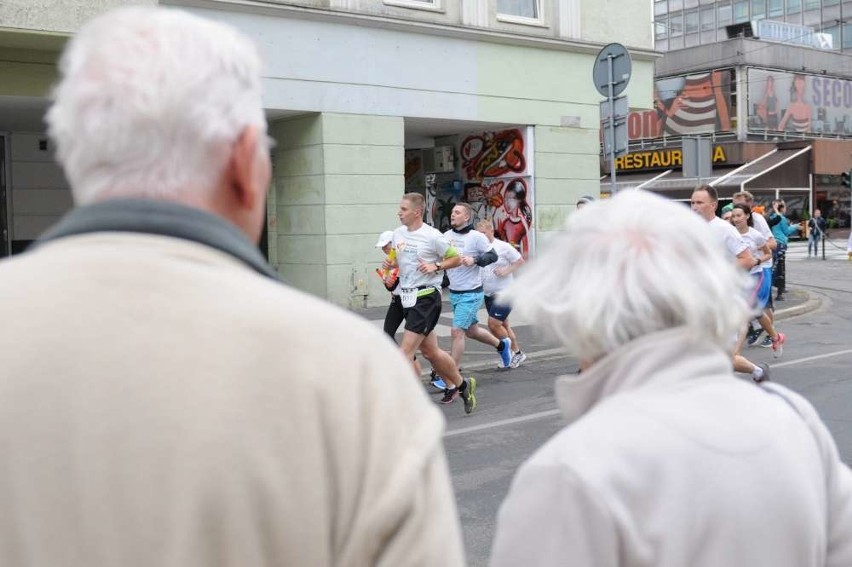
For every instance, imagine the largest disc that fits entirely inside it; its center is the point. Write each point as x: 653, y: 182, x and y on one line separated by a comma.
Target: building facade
x: 778, y: 117
x: 687, y: 23
x: 487, y: 101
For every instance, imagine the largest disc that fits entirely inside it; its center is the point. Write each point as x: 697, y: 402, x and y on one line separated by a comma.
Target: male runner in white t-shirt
x: 704, y: 201
x: 495, y: 278
x: 421, y: 253
x: 466, y: 292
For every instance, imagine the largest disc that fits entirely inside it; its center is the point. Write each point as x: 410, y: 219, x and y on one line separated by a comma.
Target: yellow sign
x: 661, y: 159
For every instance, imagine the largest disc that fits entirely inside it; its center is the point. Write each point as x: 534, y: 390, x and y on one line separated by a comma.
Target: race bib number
x: 408, y: 296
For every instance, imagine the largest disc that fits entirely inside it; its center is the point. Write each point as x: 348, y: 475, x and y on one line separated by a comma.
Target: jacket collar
x: 662, y: 359
x: 464, y: 229
x: 161, y: 218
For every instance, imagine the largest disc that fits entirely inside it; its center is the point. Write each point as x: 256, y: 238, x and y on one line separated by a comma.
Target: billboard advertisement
x: 685, y: 106
x: 799, y: 102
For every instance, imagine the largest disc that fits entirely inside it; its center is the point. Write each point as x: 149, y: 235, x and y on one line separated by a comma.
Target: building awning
x: 777, y: 170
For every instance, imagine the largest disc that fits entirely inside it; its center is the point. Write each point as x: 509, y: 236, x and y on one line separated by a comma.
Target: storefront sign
x: 661, y: 159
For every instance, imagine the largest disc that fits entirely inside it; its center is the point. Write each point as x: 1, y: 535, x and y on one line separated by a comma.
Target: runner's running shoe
x: 753, y: 335
x: 767, y: 342
x: 778, y: 345
x: 506, y: 353
x: 518, y: 358
x: 450, y: 395
x: 469, y: 395
x: 763, y: 377
x: 437, y: 381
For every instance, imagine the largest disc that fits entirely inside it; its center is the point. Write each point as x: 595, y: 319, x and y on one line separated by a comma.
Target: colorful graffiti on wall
x: 497, y: 183
x: 493, y: 154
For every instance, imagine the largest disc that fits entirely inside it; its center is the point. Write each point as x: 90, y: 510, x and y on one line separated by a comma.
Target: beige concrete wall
x: 338, y: 181
x: 40, y: 193
x: 57, y: 15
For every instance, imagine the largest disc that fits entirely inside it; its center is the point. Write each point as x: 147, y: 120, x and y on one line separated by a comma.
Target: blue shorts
x: 763, y: 289
x: 496, y: 310
x: 465, y: 306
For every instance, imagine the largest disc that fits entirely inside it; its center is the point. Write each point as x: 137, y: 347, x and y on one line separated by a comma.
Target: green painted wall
x: 337, y: 184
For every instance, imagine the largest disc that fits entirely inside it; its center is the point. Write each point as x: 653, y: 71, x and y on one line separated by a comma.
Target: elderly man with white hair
x: 165, y: 399
x: 667, y: 459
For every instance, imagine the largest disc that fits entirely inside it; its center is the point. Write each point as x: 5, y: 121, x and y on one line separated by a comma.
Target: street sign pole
x: 611, y: 97
x: 611, y: 74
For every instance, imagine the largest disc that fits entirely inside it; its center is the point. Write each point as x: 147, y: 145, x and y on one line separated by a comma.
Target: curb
x: 811, y: 304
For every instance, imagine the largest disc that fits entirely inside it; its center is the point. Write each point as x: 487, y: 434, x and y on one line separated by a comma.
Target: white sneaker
x: 517, y: 359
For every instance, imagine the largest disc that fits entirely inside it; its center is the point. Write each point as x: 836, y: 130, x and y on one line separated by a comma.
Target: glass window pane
x: 776, y: 8
x: 810, y: 4
x: 692, y: 22
x: 725, y: 14
x: 708, y: 19
x: 676, y: 24
x: 660, y: 7
x: 661, y: 28
x: 794, y: 6
x: 522, y: 8
x: 758, y: 9
x: 741, y: 11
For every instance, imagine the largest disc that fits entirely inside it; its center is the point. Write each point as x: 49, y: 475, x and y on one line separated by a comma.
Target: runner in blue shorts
x: 466, y: 292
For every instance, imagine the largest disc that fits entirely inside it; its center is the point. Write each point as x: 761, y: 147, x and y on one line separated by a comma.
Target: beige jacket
x: 161, y: 404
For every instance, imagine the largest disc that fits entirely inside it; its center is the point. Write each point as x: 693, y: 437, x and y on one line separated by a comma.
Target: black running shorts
x: 423, y: 317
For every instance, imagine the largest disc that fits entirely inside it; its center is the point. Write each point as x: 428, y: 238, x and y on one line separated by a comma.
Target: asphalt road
x: 517, y: 411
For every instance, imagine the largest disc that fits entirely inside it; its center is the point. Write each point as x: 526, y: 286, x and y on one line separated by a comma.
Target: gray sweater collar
x: 161, y: 218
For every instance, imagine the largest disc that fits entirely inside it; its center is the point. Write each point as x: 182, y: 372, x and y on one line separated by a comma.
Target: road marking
x: 810, y: 358
x: 551, y: 413
x: 502, y: 422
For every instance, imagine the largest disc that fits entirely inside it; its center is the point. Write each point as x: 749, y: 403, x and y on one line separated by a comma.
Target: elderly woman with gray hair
x: 667, y: 460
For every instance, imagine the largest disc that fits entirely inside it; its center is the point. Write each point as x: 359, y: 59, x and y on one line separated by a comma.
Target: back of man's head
x: 613, y: 277
x: 150, y: 102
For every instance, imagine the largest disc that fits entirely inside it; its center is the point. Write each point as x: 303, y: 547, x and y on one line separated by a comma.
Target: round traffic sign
x: 621, y: 68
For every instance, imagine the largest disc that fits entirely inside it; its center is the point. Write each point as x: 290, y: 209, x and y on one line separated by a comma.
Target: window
x: 519, y: 8
x: 794, y: 6
x: 758, y: 9
x: 692, y: 22
x: 660, y: 8
x: 708, y: 19
x: 725, y: 13
x: 776, y: 8
x: 811, y: 4
x: 661, y: 28
x: 676, y: 24
x: 432, y: 5
x: 740, y: 11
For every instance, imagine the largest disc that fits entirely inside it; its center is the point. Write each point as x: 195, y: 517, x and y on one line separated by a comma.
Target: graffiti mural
x: 493, y: 154
x: 498, y: 185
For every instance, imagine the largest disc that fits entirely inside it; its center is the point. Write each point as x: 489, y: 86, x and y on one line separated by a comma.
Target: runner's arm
x: 488, y: 257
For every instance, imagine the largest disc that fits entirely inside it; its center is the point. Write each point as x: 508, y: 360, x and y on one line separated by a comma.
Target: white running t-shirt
x: 728, y: 237
x: 426, y: 244
x: 472, y: 243
x: 506, y: 255
x: 755, y: 241
x: 762, y: 227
